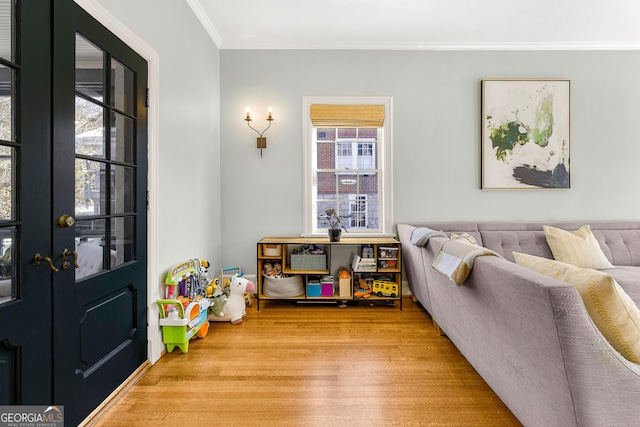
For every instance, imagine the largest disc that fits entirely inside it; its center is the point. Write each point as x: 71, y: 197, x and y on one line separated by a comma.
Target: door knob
x: 37, y: 258
x: 67, y: 252
x: 66, y: 221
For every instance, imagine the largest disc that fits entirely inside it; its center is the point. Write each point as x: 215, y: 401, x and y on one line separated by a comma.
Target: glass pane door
x: 9, y: 149
x: 105, y: 171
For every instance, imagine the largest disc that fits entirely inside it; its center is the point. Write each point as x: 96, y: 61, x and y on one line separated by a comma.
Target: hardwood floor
x: 314, y: 365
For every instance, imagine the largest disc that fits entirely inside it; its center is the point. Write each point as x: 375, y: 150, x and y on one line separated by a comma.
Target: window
x: 347, y: 155
x: 355, y: 147
x: 358, y: 211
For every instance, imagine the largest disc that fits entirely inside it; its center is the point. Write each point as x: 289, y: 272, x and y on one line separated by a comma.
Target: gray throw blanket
x: 421, y: 235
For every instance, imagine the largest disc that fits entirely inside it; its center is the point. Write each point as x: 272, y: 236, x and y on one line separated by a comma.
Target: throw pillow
x: 613, y: 312
x: 580, y: 248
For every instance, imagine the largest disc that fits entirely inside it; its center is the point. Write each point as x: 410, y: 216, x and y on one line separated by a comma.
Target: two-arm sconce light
x: 262, y: 141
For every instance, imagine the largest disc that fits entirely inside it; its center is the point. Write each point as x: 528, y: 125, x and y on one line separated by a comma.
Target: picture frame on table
x: 526, y: 133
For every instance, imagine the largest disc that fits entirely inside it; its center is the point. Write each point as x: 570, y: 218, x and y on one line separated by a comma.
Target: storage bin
x: 326, y: 289
x: 327, y: 286
x: 314, y: 289
x: 344, y: 287
x: 387, y: 252
x: 387, y: 263
x: 283, y: 287
x: 271, y: 249
x: 308, y: 262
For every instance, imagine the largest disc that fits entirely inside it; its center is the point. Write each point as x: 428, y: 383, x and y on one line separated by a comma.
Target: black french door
x: 73, y: 326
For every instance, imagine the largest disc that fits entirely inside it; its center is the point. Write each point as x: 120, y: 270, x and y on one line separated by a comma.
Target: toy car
x: 385, y: 288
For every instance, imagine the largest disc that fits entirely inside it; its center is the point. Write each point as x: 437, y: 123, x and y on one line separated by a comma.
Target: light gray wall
x: 189, y: 153
x: 436, y: 117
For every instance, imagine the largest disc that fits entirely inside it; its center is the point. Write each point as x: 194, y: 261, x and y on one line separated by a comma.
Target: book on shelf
x: 360, y: 264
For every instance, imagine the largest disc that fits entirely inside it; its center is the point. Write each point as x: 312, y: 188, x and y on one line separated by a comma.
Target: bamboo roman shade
x: 352, y: 116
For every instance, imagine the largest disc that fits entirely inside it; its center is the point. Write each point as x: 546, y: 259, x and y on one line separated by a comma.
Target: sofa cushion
x: 579, y: 248
x: 612, y: 311
x: 628, y: 277
x: 621, y: 247
x: 505, y: 242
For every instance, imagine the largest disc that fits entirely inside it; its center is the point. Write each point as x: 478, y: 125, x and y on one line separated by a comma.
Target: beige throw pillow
x: 613, y: 312
x: 580, y: 248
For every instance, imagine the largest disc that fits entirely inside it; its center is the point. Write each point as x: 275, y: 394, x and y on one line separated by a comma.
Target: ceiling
x: 421, y: 24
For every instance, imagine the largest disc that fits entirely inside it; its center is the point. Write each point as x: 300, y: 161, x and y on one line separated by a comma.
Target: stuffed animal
x: 218, y: 307
x: 272, y: 270
x: 204, y: 272
x: 236, y: 305
x: 229, y: 304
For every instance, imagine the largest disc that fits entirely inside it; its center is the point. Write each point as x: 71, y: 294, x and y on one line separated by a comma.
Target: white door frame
x: 95, y: 9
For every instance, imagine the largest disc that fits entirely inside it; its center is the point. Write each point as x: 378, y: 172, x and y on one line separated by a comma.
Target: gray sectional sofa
x: 528, y: 335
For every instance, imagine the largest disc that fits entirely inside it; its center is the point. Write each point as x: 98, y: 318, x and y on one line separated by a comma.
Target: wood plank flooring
x: 314, y: 365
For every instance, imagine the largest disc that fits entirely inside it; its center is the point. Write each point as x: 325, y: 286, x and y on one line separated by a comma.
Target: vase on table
x: 334, y: 234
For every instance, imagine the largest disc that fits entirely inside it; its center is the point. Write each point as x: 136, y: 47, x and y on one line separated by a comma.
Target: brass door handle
x: 66, y: 221
x: 37, y: 258
x: 67, y: 252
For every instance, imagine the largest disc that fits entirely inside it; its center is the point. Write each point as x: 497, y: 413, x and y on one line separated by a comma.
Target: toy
x: 218, y: 306
x: 180, y: 324
x: 268, y: 269
x: 187, y: 279
x: 235, y: 304
x: 363, y: 290
x: 204, y: 273
x: 272, y: 270
x: 235, y: 307
x: 227, y: 273
x: 385, y: 287
x: 212, y: 286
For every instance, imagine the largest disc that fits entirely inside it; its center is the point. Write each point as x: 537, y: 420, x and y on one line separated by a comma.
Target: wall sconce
x: 261, y: 141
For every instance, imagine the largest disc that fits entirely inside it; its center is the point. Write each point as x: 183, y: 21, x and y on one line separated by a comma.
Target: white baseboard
x: 155, y: 348
x: 406, y: 291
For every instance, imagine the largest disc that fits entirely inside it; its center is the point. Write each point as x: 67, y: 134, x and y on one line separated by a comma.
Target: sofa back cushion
x: 619, y: 241
x: 506, y: 238
x: 621, y: 247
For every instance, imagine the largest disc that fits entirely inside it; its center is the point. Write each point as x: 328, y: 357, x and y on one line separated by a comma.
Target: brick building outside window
x: 348, y: 174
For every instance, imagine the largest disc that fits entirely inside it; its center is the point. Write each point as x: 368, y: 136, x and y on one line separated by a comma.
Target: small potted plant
x: 334, y: 220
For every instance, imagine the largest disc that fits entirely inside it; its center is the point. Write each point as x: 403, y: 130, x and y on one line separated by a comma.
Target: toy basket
x: 283, y: 287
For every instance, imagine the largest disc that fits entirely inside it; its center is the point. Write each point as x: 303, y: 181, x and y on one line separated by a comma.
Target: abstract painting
x: 526, y: 125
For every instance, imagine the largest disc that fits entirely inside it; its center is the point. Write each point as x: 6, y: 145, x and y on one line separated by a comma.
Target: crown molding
x: 206, y: 22
x: 434, y: 46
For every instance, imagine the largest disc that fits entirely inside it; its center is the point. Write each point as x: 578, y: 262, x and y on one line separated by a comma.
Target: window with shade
x: 347, y: 150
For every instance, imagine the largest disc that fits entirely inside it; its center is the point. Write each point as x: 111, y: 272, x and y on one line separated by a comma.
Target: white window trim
x: 385, y: 157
